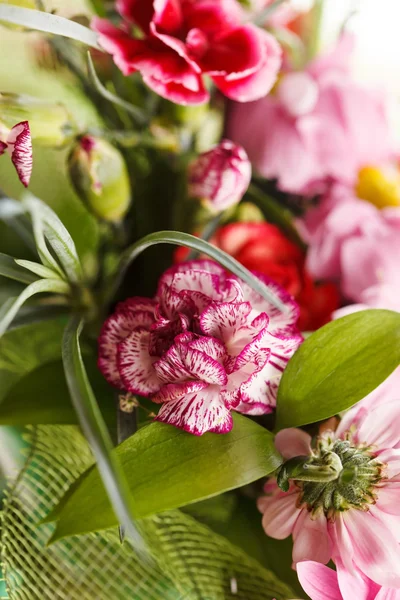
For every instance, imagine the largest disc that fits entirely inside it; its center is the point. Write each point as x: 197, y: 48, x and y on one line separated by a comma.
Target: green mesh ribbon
x: 191, y: 562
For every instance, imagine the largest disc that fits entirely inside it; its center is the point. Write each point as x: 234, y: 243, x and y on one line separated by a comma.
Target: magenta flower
x: 319, y: 126
x: 353, y: 241
x: 321, y: 583
x: 352, y: 516
x: 206, y: 344
x: 182, y: 40
x: 220, y: 176
x: 17, y: 143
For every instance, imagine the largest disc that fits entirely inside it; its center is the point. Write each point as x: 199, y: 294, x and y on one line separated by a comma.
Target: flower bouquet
x: 199, y: 312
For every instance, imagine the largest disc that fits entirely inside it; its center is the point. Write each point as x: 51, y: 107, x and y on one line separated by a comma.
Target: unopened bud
x: 221, y: 176
x: 50, y: 124
x: 17, y: 143
x: 100, y: 177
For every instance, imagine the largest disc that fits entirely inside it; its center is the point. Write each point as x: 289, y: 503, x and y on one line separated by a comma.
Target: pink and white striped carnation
x: 17, y: 143
x: 206, y: 344
x: 353, y: 520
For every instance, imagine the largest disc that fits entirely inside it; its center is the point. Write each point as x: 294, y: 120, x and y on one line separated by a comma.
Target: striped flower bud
x: 221, y: 176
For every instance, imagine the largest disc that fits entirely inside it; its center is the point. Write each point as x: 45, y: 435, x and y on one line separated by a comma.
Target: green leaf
x: 133, y: 110
x: 41, y: 21
x: 42, y: 398
x: 24, y: 349
x: 337, y: 366
x: 57, y: 236
x: 41, y: 286
x: 12, y: 213
x: 9, y: 268
x: 185, y: 467
x: 96, y: 433
x: 37, y: 269
x: 178, y: 238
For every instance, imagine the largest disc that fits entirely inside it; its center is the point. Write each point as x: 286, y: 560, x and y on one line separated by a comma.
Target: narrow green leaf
x: 134, y: 111
x: 9, y: 268
x: 44, y: 253
x: 37, y: 269
x: 95, y: 430
x: 12, y: 213
x: 57, y: 236
x: 178, y: 238
x: 37, y: 287
x: 185, y: 467
x: 42, y: 398
x: 41, y: 21
x: 337, y: 366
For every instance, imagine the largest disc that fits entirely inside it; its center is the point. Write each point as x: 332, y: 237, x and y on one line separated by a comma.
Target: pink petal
x: 123, y: 48
x: 136, y: 365
x: 298, y: 93
x: 115, y: 329
x: 388, y: 594
x: 198, y: 412
x: 210, y: 346
x: 140, y: 12
x: 311, y: 540
x: 280, y: 514
x: 293, y: 442
x: 235, y: 53
x: 175, y: 391
x: 168, y: 14
x: 250, y: 87
x: 355, y: 584
x: 390, y: 458
x: 171, y: 368
x: 320, y: 582
x: 376, y: 551
x: 19, y: 146
x: 380, y: 426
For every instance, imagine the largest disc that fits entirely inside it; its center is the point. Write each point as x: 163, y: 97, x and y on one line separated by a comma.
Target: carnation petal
x: 19, y: 146
x: 116, y: 328
x: 198, y: 412
x: 223, y: 319
x: 202, y: 366
x: 136, y: 365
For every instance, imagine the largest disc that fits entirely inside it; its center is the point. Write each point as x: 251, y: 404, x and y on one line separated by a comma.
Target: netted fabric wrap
x: 192, y: 562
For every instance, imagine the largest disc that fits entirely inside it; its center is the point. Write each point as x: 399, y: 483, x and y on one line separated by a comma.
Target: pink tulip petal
x: 280, y: 514
x: 135, y: 364
x: 198, y: 412
x: 293, y: 442
x: 320, y: 582
x: 375, y: 549
x: 310, y: 539
x: 19, y: 146
x: 355, y: 584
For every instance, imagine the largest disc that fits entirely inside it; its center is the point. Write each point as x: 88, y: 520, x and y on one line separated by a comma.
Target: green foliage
x: 337, y: 366
x: 191, y: 561
x: 184, y: 467
x: 42, y: 397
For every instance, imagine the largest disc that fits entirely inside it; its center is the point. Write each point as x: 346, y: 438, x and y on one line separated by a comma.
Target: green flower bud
x: 100, y: 177
x: 50, y: 124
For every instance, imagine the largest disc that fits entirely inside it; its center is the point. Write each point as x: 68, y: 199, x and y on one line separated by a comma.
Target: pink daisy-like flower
x: 18, y: 144
x: 206, y: 344
x: 343, y: 499
x: 182, y: 40
x: 322, y: 583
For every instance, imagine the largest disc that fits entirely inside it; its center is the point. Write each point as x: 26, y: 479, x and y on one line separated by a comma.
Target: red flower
x: 262, y: 247
x: 182, y: 40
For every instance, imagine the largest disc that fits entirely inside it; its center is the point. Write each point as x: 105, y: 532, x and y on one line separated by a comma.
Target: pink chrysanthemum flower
x: 343, y: 498
x: 17, y: 143
x: 206, y: 344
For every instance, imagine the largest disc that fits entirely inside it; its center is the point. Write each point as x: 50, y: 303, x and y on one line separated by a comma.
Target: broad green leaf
x: 178, y: 238
x: 24, y: 349
x: 37, y: 269
x: 41, y: 21
x: 95, y: 430
x: 337, y: 366
x: 41, y: 397
x: 9, y: 268
x: 167, y: 468
x: 41, y: 286
x: 57, y: 236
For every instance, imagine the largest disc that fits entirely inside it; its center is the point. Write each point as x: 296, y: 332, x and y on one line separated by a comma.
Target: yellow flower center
x: 381, y: 187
